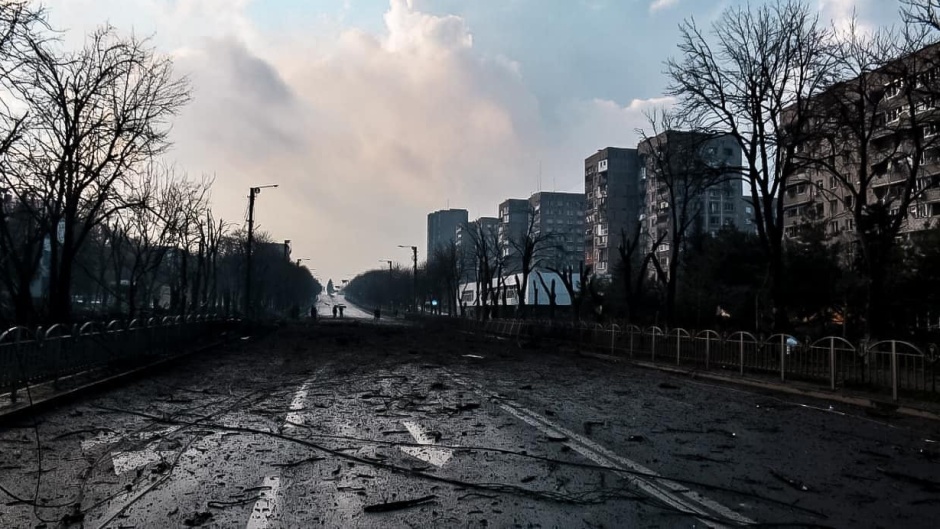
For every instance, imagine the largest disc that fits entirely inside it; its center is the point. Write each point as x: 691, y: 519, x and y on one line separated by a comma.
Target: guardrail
x: 895, y: 366
x: 31, y: 356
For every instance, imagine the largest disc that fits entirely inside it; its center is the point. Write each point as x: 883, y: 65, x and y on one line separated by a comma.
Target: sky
x: 369, y: 114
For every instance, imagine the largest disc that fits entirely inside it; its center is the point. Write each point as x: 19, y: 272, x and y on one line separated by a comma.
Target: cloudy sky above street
x: 371, y: 113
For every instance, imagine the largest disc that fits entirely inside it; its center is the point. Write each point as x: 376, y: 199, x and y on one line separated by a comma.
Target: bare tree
x: 875, y: 142
x: 21, y: 235
x: 755, y: 81
x: 530, y: 251
x: 921, y: 12
x: 635, y: 259
x: 98, y: 116
x: 683, y: 163
x: 488, y: 263
x: 444, y: 270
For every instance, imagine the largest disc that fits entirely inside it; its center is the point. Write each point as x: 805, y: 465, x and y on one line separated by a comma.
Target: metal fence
x: 891, y: 366
x: 31, y: 356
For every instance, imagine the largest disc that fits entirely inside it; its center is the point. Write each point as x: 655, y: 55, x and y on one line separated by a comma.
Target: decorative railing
x: 44, y: 354
x: 897, y: 367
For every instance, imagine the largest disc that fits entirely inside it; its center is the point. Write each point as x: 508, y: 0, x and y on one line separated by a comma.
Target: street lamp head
x: 257, y: 189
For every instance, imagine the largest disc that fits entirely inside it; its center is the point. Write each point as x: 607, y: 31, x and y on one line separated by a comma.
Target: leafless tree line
x: 85, y: 195
x: 800, y: 96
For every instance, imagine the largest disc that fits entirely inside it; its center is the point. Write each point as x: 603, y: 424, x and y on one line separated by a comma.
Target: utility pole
x: 389, y: 261
x: 252, y: 193
x: 414, y: 288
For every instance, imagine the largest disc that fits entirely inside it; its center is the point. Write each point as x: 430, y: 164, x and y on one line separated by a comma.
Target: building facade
x: 878, y: 166
x: 468, y: 235
x: 691, y: 179
x: 558, y: 218
x: 514, y: 215
x: 613, y: 202
x: 442, y: 228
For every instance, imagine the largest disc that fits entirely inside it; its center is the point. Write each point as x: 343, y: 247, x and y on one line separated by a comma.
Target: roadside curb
x: 861, y: 402
x: 51, y: 401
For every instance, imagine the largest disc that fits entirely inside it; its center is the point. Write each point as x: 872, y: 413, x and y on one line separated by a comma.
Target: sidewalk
x: 881, y: 403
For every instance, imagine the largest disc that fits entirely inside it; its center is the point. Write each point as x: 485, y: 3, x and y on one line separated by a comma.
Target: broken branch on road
x: 398, y: 505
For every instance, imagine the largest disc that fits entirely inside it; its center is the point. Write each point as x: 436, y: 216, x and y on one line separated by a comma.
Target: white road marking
x: 267, y: 504
x: 296, y: 405
x: 672, y: 494
x: 436, y: 456
x: 127, y: 461
x: 100, y: 439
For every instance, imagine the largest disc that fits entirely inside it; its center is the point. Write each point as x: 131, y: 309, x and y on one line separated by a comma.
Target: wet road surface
x: 348, y: 424
x: 326, y: 302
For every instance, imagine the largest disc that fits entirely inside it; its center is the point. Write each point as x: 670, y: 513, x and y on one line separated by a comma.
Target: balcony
x: 799, y: 198
x: 931, y: 195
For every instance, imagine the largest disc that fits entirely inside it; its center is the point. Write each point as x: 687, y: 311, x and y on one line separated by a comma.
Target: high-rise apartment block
x: 871, y: 153
x: 613, y: 202
x: 442, y: 228
x: 691, y: 179
x: 514, y: 216
x: 468, y: 237
x: 558, y: 219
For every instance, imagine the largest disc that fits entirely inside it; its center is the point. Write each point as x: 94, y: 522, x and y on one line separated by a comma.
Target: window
x: 819, y: 184
x: 714, y: 220
x: 713, y: 207
x: 893, y: 89
x: 835, y: 226
x: 749, y: 210
x: 849, y: 201
x: 833, y: 207
x: 729, y: 206
x: 833, y: 182
x: 893, y: 115
x: 928, y: 103
x: 894, y: 212
x: 928, y: 156
x: 849, y: 225
x: 930, y: 130
x: 929, y: 78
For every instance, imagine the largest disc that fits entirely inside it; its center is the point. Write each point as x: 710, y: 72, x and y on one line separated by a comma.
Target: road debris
x: 398, y: 505
x: 794, y: 484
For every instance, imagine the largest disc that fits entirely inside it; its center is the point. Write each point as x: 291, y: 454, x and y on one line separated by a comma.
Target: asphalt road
x: 326, y: 302
x: 351, y: 424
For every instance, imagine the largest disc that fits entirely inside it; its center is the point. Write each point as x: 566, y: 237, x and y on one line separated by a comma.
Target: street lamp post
x: 389, y: 261
x: 414, y: 288
x: 252, y: 193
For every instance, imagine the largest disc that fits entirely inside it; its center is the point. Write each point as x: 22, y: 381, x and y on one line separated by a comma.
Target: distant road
x: 326, y: 302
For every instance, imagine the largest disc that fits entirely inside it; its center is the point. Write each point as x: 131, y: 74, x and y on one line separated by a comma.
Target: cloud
x: 364, y: 131
x: 365, y: 136
x: 659, y: 5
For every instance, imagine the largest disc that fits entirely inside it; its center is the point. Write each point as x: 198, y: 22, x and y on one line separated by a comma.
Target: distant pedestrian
x: 334, y: 311
x: 377, y: 313
x: 313, y: 312
x: 341, y: 307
